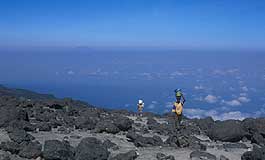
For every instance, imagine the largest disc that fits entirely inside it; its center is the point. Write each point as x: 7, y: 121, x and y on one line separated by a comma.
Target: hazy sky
x: 162, y: 23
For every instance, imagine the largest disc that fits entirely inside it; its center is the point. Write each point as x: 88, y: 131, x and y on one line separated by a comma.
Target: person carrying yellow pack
x: 178, y: 108
x: 140, y: 107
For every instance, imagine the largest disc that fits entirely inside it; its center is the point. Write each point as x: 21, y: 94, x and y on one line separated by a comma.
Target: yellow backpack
x: 178, y: 108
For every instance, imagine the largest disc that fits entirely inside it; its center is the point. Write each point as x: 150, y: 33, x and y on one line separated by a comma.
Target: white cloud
x: 200, y: 87
x: 70, y: 72
x: 234, y: 102
x: 243, y: 94
x: 151, y: 106
x: 169, y: 105
x: 200, y: 113
x: 233, y: 115
x: 233, y: 70
x: 199, y: 99
x: 210, y: 99
x: 154, y: 102
x: 177, y: 73
x: 244, y: 88
x: 243, y: 99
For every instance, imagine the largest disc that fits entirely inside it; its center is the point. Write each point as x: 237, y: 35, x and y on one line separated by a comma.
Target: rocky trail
x: 64, y: 129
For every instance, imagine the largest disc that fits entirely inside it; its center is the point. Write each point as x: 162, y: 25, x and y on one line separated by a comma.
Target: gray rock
x: 54, y: 149
x: 161, y: 156
x: 197, y: 155
x: 30, y: 150
x: 106, y: 126
x: 131, y: 155
x: 227, y: 131
x: 20, y: 124
x: 231, y: 146
x: 258, y: 139
x: 46, y: 127
x: 109, y: 144
x: 123, y: 123
x: 12, y: 147
x: 4, y: 156
x: 20, y: 136
x: 256, y: 154
x: 140, y: 141
x: 85, y: 122
x: 222, y: 157
x: 91, y: 149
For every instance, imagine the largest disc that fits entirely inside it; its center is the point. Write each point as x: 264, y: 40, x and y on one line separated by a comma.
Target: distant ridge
x: 4, y: 91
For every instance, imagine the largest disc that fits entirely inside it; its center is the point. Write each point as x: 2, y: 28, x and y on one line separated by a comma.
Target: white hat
x: 140, y: 101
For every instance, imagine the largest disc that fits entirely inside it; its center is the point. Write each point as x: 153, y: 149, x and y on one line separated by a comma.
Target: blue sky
x: 160, y: 23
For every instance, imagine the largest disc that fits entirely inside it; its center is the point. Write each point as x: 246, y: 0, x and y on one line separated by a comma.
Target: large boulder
x: 140, y: 141
x: 44, y: 126
x: 109, y: 144
x: 11, y: 147
x: 84, y: 122
x: 254, y: 125
x: 20, y: 124
x: 4, y: 156
x: 256, y: 154
x: 123, y: 123
x: 161, y: 156
x: 8, y: 114
x: 30, y: 150
x: 91, y: 149
x: 258, y: 139
x: 131, y: 155
x: 227, y: 131
x: 54, y: 149
x: 19, y: 136
x: 205, y: 124
x: 106, y: 126
x: 196, y: 155
x: 178, y: 140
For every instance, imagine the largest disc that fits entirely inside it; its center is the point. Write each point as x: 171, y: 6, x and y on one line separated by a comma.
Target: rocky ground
x: 64, y: 129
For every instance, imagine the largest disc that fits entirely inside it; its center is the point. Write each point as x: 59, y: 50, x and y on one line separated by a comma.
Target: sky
x: 111, y: 53
x: 214, y: 24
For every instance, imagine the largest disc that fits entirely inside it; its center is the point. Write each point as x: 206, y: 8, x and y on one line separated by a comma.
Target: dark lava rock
x: 140, y: 141
x: 4, y: 156
x: 30, y: 150
x: 64, y: 130
x: 84, y: 122
x: 258, y: 139
x: 20, y: 124
x: 20, y: 136
x: 106, y: 126
x: 231, y: 146
x: 161, y: 156
x: 131, y: 155
x: 205, y: 124
x: 8, y: 114
x: 227, y: 131
x: 202, y: 155
x: 256, y: 154
x: 91, y: 149
x: 254, y: 125
x: 57, y: 150
x: 152, y: 123
x: 46, y: 127
x: 109, y: 144
x: 123, y: 123
x: 182, y: 141
x: 12, y: 147
x: 222, y: 157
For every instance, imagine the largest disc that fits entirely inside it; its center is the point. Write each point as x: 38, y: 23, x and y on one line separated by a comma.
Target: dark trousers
x: 178, y: 119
